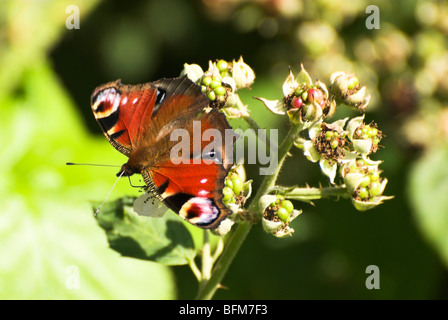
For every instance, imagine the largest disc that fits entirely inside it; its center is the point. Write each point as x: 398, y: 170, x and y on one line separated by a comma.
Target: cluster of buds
x: 363, y: 180
x: 342, y: 144
x: 236, y: 189
x: 329, y: 144
x: 365, y: 137
x: 235, y: 193
x: 338, y: 144
x: 303, y: 101
x: 278, y: 213
x: 345, y: 89
x: 221, y: 82
x: 213, y: 88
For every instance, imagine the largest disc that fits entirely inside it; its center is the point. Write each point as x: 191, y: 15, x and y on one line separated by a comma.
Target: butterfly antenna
x: 90, y: 164
x: 108, y: 195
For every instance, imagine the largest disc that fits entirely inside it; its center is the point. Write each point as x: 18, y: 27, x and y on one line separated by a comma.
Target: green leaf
x: 164, y: 240
x: 428, y: 189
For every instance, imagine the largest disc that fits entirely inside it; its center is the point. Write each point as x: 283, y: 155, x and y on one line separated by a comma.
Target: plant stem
x: 252, y: 123
x: 235, y: 241
x: 269, y: 181
x: 194, y: 268
x: 207, y: 291
x: 308, y: 194
x: 206, y: 263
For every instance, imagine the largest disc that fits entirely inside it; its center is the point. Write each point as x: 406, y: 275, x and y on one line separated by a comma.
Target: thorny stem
x: 252, y: 123
x: 207, y: 290
x: 310, y: 194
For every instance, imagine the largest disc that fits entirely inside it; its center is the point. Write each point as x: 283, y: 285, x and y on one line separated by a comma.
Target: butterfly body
x: 139, y: 121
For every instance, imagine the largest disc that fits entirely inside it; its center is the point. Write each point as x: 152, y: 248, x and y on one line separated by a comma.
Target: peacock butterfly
x: 138, y: 120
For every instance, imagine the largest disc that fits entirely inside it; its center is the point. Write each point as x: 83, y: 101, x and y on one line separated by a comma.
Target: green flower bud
x: 352, y: 83
x: 298, y: 92
x: 365, y: 182
x: 237, y: 185
x: 220, y: 91
x: 225, y: 73
x: 228, y: 183
x: 227, y: 194
x: 375, y: 189
x: 222, y: 65
x: 334, y: 144
x: 215, y: 83
x: 374, y: 176
x: 283, y: 214
x: 363, y: 193
x: 211, y: 95
x: 345, y: 88
x: 272, y: 223
x: 305, y: 95
x: 206, y: 80
x: 369, y: 202
x: 287, y: 205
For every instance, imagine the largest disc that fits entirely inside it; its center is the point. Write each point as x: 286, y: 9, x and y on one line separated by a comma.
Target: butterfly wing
x: 139, y: 121
x: 193, y: 187
x: 124, y: 111
x: 189, y: 184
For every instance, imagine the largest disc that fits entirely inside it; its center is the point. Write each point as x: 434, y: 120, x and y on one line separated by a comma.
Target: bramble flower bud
x: 365, y: 138
x: 277, y: 215
x: 303, y: 101
x: 234, y: 108
x: 236, y: 189
x: 329, y: 146
x: 363, y: 181
x: 243, y: 75
x: 346, y: 89
x: 219, y: 85
x: 193, y: 71
x: 235, y: 193
x: 354, y: 172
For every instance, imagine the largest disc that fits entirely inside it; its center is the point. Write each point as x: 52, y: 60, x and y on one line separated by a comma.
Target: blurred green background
x: 50, y: 244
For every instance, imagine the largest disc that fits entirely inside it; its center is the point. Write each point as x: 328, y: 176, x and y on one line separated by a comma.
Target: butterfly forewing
x: 124, y: 112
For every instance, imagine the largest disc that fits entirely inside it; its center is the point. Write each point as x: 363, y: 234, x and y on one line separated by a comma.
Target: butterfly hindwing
x: 193, y: 188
